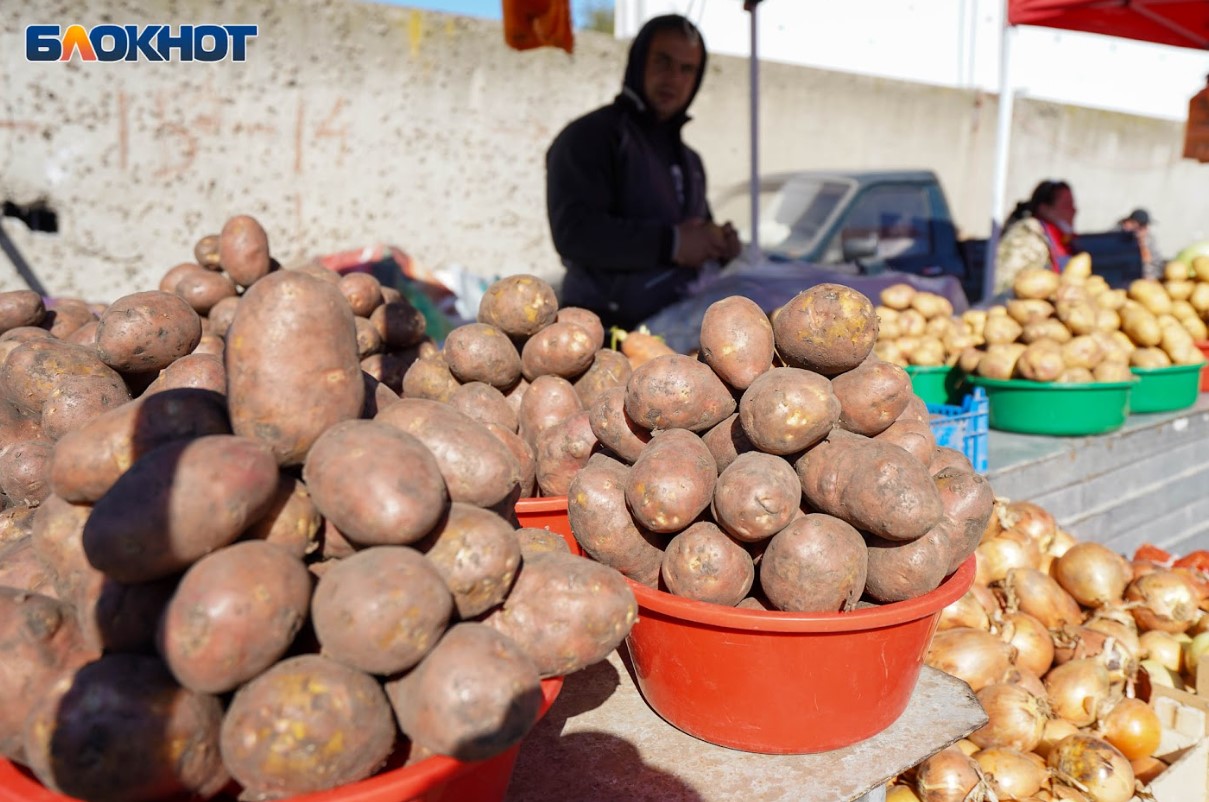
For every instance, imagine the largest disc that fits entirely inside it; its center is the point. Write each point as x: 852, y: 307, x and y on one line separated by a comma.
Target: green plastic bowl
x: 940, y: 384
x: 1165, y: 389
x: 1066, y: 410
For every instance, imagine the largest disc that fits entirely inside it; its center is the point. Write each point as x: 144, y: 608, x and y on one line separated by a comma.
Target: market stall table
x: 601, y: 742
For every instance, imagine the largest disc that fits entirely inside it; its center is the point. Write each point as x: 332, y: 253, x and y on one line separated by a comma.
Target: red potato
x: 816, y: 564
x: 562, y: 450
x: 146, y: 331
x: 306, y: 725
x: 603, y: 526
x: 379, y: 485
x: 677, y: 392
x: 756, y: 496
x: 399, y: 324
x: 944, y: 458
x: 968, y: 502
x: 196, y: 371
x: 727, y: 441
x: 516, y: 394
x: 85, y: 335
x: 827, y: 328
x: 20, y: 308
x: 174, y: 274
x: 587, y: 320
x: 560, y: 349
x: 477, y: 554
x: 485, y: 404
x: 381, y: 610
x: 393, y: 368
x: 66, y: 316
x: 363, y: 292
x: 899, y: 571
x: 609, y: 369
x: 221, y: 315
x: 520, y: 305
x: 17, y: 522
x: 79, y: 399
x: 234, y: 614
x: 478, y: 352
x: 34, y: 368
x: 369, y: 341
x: 429, y: 378
x: 211, y: 345
x: 22, y: 569
x: 872, y: 396
x: 672, y: 482
x: 207, y: 252
x: 614, y: 428
x: 25, y: 471
x: 243, y: 250
x: 737, y: 340
x: 292, y: 365
x: 202, y: 289
x: 786, y: 410
x: 548, y: 401
x: 704, y: 564
x: 377, y: 396
x: 534, y: 542
x: 914, y: 437
x: 525, y: 457
x: 177, y: 504
x: 333, y: 544
x: 475, y: 695
x: 291, y: 522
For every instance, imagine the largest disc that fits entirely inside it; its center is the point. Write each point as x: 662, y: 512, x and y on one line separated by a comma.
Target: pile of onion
x: 1051, y: 638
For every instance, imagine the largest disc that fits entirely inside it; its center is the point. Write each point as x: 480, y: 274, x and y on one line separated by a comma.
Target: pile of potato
x: 229, y: 552
x: 785, y: 468
x: 919, y: 328
x: 1051, y: 638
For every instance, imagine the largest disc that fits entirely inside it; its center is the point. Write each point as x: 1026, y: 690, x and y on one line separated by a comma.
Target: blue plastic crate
x: 964, y: 427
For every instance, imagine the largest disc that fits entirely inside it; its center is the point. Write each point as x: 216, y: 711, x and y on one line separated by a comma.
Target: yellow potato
x: 1200, y: 267
x: 1141, y: 327
x: 1079, y: 316
x: 1082, y: 352
x: 1181, y: 310
x: 931, y: 305
x: 1026, y: 310
x: 957, y: 341
x: 1041, y: 362
x: 1200, y: 297
x: 976, y: 319
x: 1149, y: 358
x: 1035, y: 282
x: 1000, y: 361
x: 1111, y: 299
x: 1001, y: 330
x: 1197, y: 328
x: 1177, y: 271
x: 968, y: 360
x: 889, y: 330
x: 1049, y: 329
x: 1107, y: 320
x: 1096, y: 285
x: 1110, y: 370
x: 1079, y: 265
x: 928, y: 352
x: 912, y: 323
x: 888, y: 351
x: 1150, y: 294
x: 1075, y: 376
x: 897, y: 296
x: 1179, y: 290
x: 940, y: 327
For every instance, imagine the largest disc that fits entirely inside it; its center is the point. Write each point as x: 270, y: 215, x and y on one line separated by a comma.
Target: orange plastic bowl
x: 1204, y: 346
x: 783, y: 683
x: 548, y: 513
x: 436, y: 779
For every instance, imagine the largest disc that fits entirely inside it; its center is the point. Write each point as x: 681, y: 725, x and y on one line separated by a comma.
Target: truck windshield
x: 794, y: 211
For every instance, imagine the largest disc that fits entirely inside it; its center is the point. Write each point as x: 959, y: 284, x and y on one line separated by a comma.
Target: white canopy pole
x: 1003, y: 144
x: 754, y: 98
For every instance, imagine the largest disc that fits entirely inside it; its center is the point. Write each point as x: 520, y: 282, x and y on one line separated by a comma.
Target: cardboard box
x: 1184, y: 743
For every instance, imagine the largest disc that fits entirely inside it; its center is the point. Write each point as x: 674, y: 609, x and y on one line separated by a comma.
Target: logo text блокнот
x: 138, y: 42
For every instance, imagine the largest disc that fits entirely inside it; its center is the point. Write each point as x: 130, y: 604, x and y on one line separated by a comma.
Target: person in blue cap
x: 1138, y: 223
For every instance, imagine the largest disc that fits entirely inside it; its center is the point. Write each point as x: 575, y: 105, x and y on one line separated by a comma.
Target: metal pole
x: 754, y: 93
x: 1003, y: 140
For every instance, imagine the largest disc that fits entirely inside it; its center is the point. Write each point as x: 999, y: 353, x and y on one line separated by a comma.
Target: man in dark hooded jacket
x: 625, y: 195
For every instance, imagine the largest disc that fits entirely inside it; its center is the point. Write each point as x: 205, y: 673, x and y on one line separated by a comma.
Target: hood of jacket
x: 631, y: 86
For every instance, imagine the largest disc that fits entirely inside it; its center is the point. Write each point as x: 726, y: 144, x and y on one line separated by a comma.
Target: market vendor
x: 1039, y: 233
x: 626, y: 197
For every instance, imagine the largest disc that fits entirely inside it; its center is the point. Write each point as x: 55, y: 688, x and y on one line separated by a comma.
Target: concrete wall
x: 353, y: 123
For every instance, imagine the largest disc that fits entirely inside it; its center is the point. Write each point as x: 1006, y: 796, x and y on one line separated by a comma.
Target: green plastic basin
x: 939, y: 384
x: 1066, y: 410
x: 1165, y: 389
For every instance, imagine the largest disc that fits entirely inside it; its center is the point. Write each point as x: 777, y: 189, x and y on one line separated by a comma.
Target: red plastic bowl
x: 783, y: 683
x: 1204, y: 346
x: 548, y: 513
x: 437, y: 779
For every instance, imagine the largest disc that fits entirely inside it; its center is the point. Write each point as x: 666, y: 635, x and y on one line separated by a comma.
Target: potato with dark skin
x: 548, y: 401
x: 786, y: 410
x: 202, y: 289
x: 520, y: 305
x: 737, y: 340
x: 34, y: 368
x: 25, y: 471
x: 560, y: 349
x: 872, y: 396
x: 146, y: 331
x: 88, y: 460
x: 817, y: 564
x: 196, y: 371
x: 677, y: 392
x: 363, y: 292
x: 609, y: 369
x: 756, y: 496
x: 206, y: 252
x: 968, y: 502
x: 369, y: 341
x: 914, y: 437
x: 66, y: 316
x: 586, y: 319
x: 726, y: 441
x: 399, y: 323
x: 477, y: 554
x: 193, y: 497
x: 382, y: 609
x: 485, y: 404
x: 562, y: 450
x: 234, y: 614
x: 292, y: 365
x: 603, y: 526
x: 478, y: 352
x: 20, y: 308
x: 477, y: 468
x: 566, y: 612
x: 899, y: 571
x: 292, y: 522
x: 672, y: 482
x: 827, y: 328
x: 79, y: 399
x: 704, y: 564
x: 526, y: 459
x: 614, y: 428
x: 429, y: 378
x: 307, y: 724
x: 944, y: 457
x: 243, y: 250
x: 475, y: 695
x: 534, y: 542
x: 122, y: 730
x: 22, y: 569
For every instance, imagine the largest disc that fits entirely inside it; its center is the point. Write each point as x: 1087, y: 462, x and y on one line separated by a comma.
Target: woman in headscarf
x: 1039, y: 233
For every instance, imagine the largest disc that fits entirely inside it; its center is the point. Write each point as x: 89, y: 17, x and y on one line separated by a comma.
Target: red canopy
x: 1184, y: 23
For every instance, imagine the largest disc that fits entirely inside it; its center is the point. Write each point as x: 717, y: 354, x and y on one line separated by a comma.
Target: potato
x: 477, y: 468
x: 174, y: 274
x: 1200, y: 296
x: 86, y: 334
x: 944, y: 458
x: 1112, y: 371
x: 1078, y: 266
x: 478, y: 352
x: 562, y: 450
x: 22, y: 569
x: 363, y: 292
x: 672, y: 482
x: 177, y: 504
x: 897, y: 296
x: 194, y: 371
x: 536, y: 542
x: 146, y: 331
x: 1107, y: 320
x: 202, y: 289
x: 968, y: 503
x: 369, y: 341
x: 702, y: 563
x: 609, y: 369
x: 221, y: 315
x: 1036, y: 283
x: 35, y: 368
x: 1196, y: 328
x: 25, y: 471
x: 871, y: 396
x: 877, y: 487
x: 967, y: 361
x: 827, y: 328
x: 243, y: 250
x: 1081, y: 317
x: 525, y: 456
x: 66, y: 316
x: 1001, y: 329
x: 307, y: 724
x: 379, y: 484
x: 428, y: 378
x: 816, y: 564
x: 40, y: 642
x: 1040, y: 362
x: 931, y: 305
x: 756, y: 496
x: 89, y: 460
x: 677, y: 392
x: 1025, y: 311
x: 473, y: 697
x: 603, y: 526
x: 1075, y: 376
x: 1082, y: 352
x: 477, y: 554
x: 234, y: 614
x: 586, y: 319
x: 726, y: 441
x: 20, y: 308
x: 520, y: 305
x: 614, y: 429
x: 292, y: 522
x: 399, y: 324
x: 485, y: 404
x: 737, y: 341
x: 207, y: 252
x: 788, y: 409
x: 560, y: 349
x: 1000, y: 361
x: 566, y: 612
x: 929, y: 351
x: 904, y: 570
x: 292, y: 365
x: 913, y: 436
x: 1150, y: 294
x: 211, y: 345
x: 548, y: 401
x: 912, y: 323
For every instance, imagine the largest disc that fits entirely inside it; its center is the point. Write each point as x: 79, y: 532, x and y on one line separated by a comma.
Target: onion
x: 1015, y: 718
x: 989, y: 601
x: 966, y: 746
x: 1032, y: 520
x: 1063, y: 542
x: 1012, y: 774
x: 978, y: 658
x: 1132, y: 727
x: 1055, y: 730
x: 1092, y: 574
x: 1145, y: 769
x: 995, y: 523
x: 1034, y: 646
x: 1077, y: 643
x: 1162, y: 648
x: 1094, y: 766
x: 1143, y: 567
x: 1159, y: 674
x: 1125, y: 633
x: 1027, y: 680
x: 1193, y: 651
x: 949, y: 776
x: 1040, y: 596
x: 1061, y: 793
x: 1029, y: 544
x: 1200, y: 625
x: 996, y: 557
x: 901, y: 793
x: 1078, y: 691
x: 965, y: 612
x: 1165, y: 601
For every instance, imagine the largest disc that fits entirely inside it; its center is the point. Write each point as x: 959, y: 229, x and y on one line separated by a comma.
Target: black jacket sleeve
x: 580, y: 186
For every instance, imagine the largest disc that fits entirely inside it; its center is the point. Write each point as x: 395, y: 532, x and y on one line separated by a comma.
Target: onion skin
x: 997, y: 556
x: 1094, y: 765
x: 1056, y: 729
x: 978, y: 658
x: 1016, y: 718
x: 948, y: 776
x: 1163, y: 648
x: 1078, y: 691
x: 1166, y: 601
x: 1012, y: 774
x: 1032, y: 520
x: 1092, y: 574
x: 1027, y: 680
x: 1041, y: 597
x: 965, y: 612
x: 1033, y: 643
x: 1147, y: 768
x: 1133, y: 728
